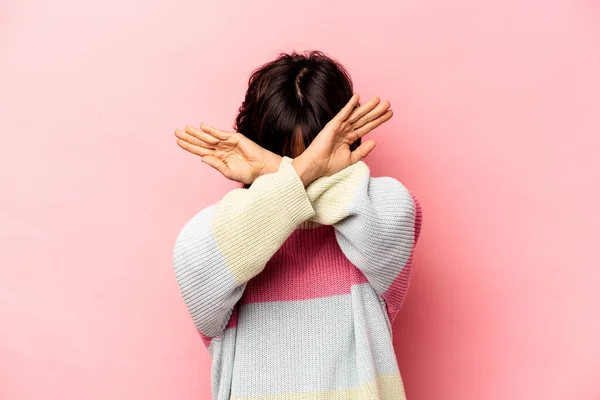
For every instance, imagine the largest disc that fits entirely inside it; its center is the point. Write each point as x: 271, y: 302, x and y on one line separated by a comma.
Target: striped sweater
x: 294, y: 289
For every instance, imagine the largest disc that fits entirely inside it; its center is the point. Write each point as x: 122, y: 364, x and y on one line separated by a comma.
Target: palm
x: 332, y: 146
x: 231, y: 153
x: 330, y: 150
x: 237, y: 169
x: 241, y: 157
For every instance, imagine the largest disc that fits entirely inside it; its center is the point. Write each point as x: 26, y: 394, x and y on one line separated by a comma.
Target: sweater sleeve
x: 377, y: 222
x: 228, y: 243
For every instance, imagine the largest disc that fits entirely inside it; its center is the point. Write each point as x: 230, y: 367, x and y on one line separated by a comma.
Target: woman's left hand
x: 231, y: 153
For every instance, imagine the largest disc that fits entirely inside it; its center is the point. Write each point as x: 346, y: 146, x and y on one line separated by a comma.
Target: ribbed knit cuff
x: 293, y: 194
x: 285, y: 160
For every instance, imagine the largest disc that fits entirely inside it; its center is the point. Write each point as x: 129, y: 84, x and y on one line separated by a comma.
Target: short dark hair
x: 296, y: 90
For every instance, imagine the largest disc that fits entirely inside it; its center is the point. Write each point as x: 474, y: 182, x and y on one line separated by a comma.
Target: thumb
x: 362, y: 151
x: 216, y: 163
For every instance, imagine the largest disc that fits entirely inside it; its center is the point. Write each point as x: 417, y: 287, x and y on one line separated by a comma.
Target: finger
x: 359, y: 112
x: 216, y: 163
x: 192, y: 140
x: 221, y: 135
x: 200, y: 151
x: 199, y: 134
x: 347, y: 109
x: 375, y: 113
x: 362, y: 151
x: 368, y: 127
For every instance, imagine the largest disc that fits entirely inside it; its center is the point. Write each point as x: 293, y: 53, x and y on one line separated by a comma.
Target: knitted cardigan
x: 294, y: 289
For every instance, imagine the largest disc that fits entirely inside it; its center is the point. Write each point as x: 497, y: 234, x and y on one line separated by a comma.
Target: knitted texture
x: 294, y: 290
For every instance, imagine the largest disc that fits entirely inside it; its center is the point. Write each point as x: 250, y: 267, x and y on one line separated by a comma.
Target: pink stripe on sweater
x: 310, y: 264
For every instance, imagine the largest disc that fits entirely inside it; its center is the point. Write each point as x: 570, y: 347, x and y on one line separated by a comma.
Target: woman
x: 294, y: 279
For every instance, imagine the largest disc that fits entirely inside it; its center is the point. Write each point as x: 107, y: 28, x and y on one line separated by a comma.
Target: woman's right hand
x: 231, y: 153
x: 330, y: 151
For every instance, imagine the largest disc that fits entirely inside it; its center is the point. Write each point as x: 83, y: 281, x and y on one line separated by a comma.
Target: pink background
x: 496, y: 129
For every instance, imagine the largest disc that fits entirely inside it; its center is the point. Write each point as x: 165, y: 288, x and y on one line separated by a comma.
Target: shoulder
x: 201, y: 221
x: 389, y: 187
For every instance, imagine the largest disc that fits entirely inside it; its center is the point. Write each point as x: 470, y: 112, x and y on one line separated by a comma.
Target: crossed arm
x: 376, y: 219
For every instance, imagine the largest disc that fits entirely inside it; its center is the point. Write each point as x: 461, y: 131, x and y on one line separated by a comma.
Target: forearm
x: 227, y: 244
x: 377, y: 222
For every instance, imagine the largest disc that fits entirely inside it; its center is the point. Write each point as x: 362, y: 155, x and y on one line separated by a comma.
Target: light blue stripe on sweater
x: 378, y: 235
x: 329, y: 331
x: 206, y: 283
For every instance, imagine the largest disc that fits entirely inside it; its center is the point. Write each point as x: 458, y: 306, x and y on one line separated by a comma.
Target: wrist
x: 270, y: 165
x: 305, y: 169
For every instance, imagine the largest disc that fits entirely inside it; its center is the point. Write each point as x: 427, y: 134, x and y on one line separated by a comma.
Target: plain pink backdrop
x: 496, y: 130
